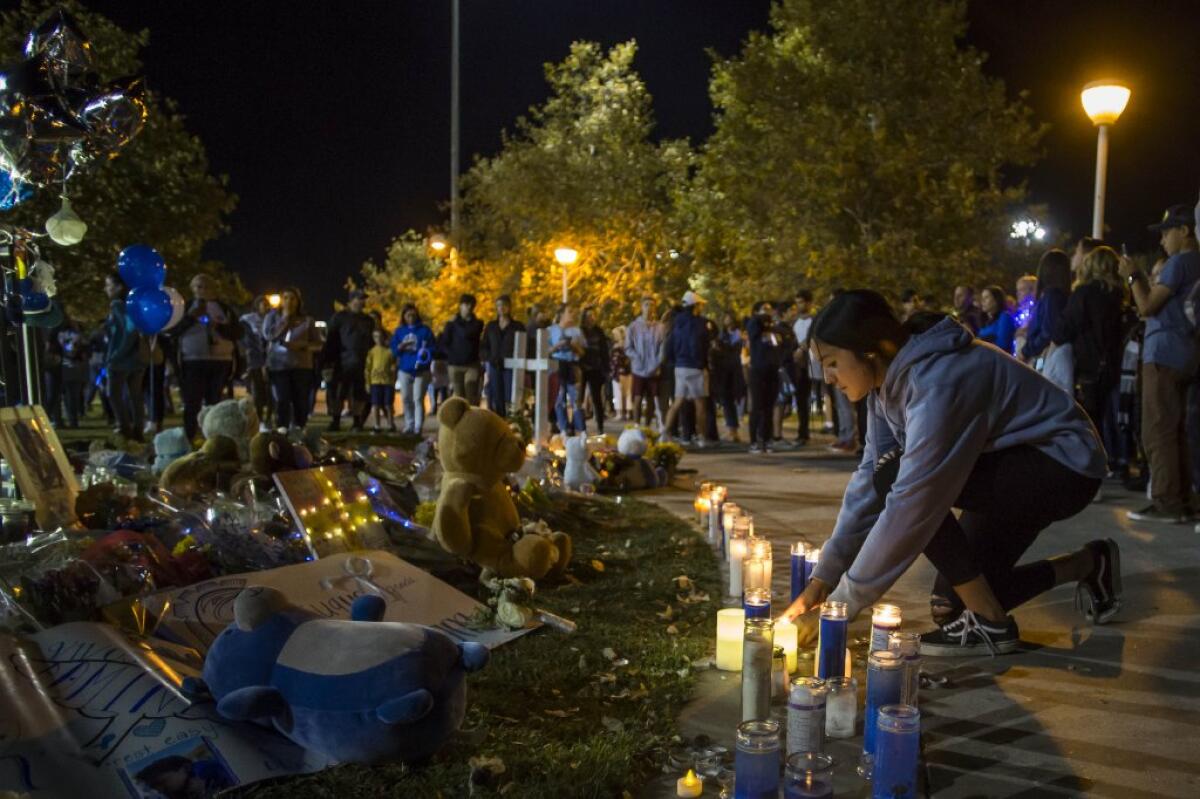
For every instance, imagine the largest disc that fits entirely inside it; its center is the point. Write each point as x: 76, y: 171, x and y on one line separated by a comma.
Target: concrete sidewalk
x: 1108, y: 711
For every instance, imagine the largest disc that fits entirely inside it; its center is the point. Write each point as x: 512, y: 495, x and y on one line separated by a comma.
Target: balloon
x: 149, y: 309
x: 140, y: 266
x: 116, y: 115
x: 59, y: 43
x: 178, y: 306
x: 12, y: 193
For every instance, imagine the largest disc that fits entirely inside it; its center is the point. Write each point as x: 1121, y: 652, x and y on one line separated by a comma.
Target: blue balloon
x: 12, y: 193
x: 141, y: 267
x: 149, y: 309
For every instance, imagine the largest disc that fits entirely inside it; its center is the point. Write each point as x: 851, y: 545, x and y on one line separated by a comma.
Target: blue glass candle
x: 799, y: 572
x: 757, y: 603
x: 897, y: 749
x: 831, y: 649
x: 756, y: 763
x: 885, y: 686
x: 810, y: 563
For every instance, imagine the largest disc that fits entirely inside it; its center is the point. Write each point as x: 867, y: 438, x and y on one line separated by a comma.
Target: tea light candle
x: 885, y: 620
x: 730, y: 625
x: 787, y: 635
x: 689, y: 785
x: 757, y: 604
x: 737, y: 554
x: 799, y: 578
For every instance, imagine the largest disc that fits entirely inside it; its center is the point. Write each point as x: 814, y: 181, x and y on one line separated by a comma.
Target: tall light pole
x: 1103, y: 101
x: 565, y: 256
x: 454, y: 131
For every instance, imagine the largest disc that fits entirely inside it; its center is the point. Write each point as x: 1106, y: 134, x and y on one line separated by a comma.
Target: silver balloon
x: 62, y: 48
x: 117, y: 115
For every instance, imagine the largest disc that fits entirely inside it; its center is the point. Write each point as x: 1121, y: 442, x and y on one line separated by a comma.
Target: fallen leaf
x: 597, y: 565
x: 608, y: 653
x: 672, y: 630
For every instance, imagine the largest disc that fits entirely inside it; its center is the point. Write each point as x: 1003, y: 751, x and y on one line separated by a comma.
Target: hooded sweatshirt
x: 946, y: 399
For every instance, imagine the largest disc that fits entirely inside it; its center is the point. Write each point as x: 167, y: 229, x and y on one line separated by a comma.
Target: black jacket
x: 460, y: 341
x: 499, y: 344
x: 1091, y: 324
x: 596, y: 358
x: 765, y: 352
x: 348, y: 340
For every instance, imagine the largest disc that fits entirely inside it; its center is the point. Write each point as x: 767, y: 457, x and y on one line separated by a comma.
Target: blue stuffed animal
x: 360, y: 690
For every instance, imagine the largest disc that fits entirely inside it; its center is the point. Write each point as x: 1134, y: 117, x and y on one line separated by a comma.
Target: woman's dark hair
x: 410, y: 307
x: 1001, y: 300
x: 1054, y: 272
x: 299, y: 298
x: 861, y: 321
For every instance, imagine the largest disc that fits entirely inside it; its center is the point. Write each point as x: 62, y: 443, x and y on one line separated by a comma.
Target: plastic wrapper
x: 44, y: 582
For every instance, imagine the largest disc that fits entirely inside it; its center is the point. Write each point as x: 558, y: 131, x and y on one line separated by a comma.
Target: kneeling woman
x: 955, y: 423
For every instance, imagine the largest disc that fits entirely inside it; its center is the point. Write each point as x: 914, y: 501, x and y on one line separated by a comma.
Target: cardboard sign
x: 39, y: 465
x: 331, y: 508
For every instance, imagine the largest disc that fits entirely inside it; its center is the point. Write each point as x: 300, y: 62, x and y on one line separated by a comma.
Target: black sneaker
x: 1098, y: 597
x: 970, y: 635
x: 1153, y: 513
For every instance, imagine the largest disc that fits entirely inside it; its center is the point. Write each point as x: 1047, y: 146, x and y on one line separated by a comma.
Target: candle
x: 897, y: 747
x: 754, y: 574
x: 811, y: 559
x: 715, y: 536
x: 689, y: 785
x: 809, y: 775
x: 760, y: 548
x: 799, y: 578
x: 806, y: 715
x: 729, y: 514
x: 757, y: 603
x: 779, y: 676
x: 756, y: 761
x: 787, y: 635
x: 730, y: 624
x: 885, y: 620
x: 703, y: 503
x: 757, y: 645
x: 885, y: 680
x: 909, y: 647
x: 831, y: 648
x: 737, y: 554
x: 841, y: 707
x: 741, y: 530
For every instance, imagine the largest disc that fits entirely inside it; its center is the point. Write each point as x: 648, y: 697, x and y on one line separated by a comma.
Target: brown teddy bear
x: 208, y: 469
x: 475, y: 517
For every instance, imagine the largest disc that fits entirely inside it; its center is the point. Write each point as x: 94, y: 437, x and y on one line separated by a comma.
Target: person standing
x: 726, y: 383
x: 1092, y: 326
x: 911, y: 302
x: 499, y: 343
x: 998, y: 326
x: 689, y: 344
x: 97, y: 374
x: 293, y: 342
x: 255, y: 351
x: 460, y: 341
x: 567, y: 346
x: 643, y: 344
x: 75, y: 353
x: 595, y: 364
x: 763, y: 339
x: 965, y: 309
x: 380, y: 374
x: 1168, y: 364
x: 622, y: 377
x: 413, y: 345
x: 123, y: 362
x: 800, y: 327
x: 205, y: 340
x: 348, y: 339
x: 1053, y: 287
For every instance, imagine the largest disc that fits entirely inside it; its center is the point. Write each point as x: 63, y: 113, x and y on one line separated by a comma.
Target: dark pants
x: 499, y: 388
x: 202, y: 383
x: 96, y: 386
x: 73, y: 399
x: 764, y: 390
x: 594, y: 382
x: 1164, y: 435
x: 156, y: 393
x: 803, y: 401
x: 260, y: 391
x: 1010, y: 497
x: 292, y: 389
x: 125, y: 394
x: 52, y: 400
x: 724, y: 389
x: 644, y: 394
x: 349, y: 388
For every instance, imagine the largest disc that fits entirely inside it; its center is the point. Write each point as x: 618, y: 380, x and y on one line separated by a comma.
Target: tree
x: 580, y: 170
x: 857, y: 144
x: 158, y: 190
x: 409, y: 273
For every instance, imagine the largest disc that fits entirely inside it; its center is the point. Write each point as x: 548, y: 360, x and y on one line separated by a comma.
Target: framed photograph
x: 39, y: 466
x: 190, y: 769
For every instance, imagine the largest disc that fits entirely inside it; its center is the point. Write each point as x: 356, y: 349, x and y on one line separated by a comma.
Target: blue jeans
x: 568, y: 391
x: 499, y: 389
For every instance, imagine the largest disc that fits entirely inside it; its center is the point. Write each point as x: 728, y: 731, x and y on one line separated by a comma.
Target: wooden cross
x: 540, y: 366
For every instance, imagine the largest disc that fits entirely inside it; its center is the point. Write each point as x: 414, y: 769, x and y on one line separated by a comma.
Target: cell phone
x: 1124, y: 250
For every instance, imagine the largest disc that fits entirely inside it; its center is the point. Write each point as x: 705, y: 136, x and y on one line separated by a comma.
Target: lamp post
x: 1103, y: 101
x: 565, y: 256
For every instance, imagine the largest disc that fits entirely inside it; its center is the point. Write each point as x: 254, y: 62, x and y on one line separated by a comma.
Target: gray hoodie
x: 946, y: 399
x: 643, y: 344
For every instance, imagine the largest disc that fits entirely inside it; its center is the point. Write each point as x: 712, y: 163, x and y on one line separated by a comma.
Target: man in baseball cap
x: 1168, y: 363
x: 689, y: 343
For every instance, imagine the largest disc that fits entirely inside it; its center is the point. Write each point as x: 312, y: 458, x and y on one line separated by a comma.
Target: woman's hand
x: 814, y: 594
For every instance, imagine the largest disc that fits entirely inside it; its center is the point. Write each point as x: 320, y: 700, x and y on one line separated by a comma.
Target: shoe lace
x: 969, y: 625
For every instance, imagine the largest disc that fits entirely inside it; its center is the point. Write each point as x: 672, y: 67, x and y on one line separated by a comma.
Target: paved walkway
x: 1108, y: 711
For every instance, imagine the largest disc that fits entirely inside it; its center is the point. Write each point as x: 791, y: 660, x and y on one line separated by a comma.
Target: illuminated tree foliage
x: 158, y: 190
x: 858, y: 143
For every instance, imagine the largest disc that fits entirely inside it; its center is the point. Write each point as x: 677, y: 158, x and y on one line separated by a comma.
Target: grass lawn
x: 583, y: 715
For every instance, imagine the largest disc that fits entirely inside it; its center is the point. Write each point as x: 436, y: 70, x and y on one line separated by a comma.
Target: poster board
x: 331, y: 509
x: 39, y: 465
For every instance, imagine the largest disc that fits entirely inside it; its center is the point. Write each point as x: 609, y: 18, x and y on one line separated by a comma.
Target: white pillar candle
x: 787, y: 635
x: 731, y: 624
x: 737, y: 554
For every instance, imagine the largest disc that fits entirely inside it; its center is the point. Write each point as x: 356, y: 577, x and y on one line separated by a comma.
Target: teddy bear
x: 233, y: 418
x: 169, y: 445
x: 632, y: 471
x: 272, y: 452
x: 359, y: 690
x: 475, y: 516
x: 208, y: 469
x: 577, y: 470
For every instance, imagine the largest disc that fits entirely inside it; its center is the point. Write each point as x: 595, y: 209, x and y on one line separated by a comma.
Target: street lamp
x: 566, y: 256
x: 1103, y: 100
x: 438, y: 243
x: 274, y: 300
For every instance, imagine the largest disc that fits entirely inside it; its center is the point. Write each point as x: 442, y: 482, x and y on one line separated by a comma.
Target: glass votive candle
x: 885, y: 620
x: 754, y: 574
x: 779, y: 676
x: 737, y: 556
x: 897, y: 749
x: 703, y: 501
x: 831, y: 646
x: 809, y: 775
x: 806, y: 715
x: 729, y: 514
x: 909, y: 647
x: 757, y: 648
x: 741, y: 530
x: 799, y: 578
x: 841, y: 707
x: 757, y: 603
x: 756, y: 760
x: 885, y: 681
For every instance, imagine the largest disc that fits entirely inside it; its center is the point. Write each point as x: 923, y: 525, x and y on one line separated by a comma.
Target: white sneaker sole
x: 972, y: 650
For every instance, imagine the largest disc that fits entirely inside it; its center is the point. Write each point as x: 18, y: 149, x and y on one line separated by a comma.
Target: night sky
x: 332, y: 119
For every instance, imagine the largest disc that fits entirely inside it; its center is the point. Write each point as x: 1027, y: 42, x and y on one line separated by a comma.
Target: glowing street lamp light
x: 274, y: 300
x: 438, y: 243
x: 566, y: 256
x: 1103, y: 101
